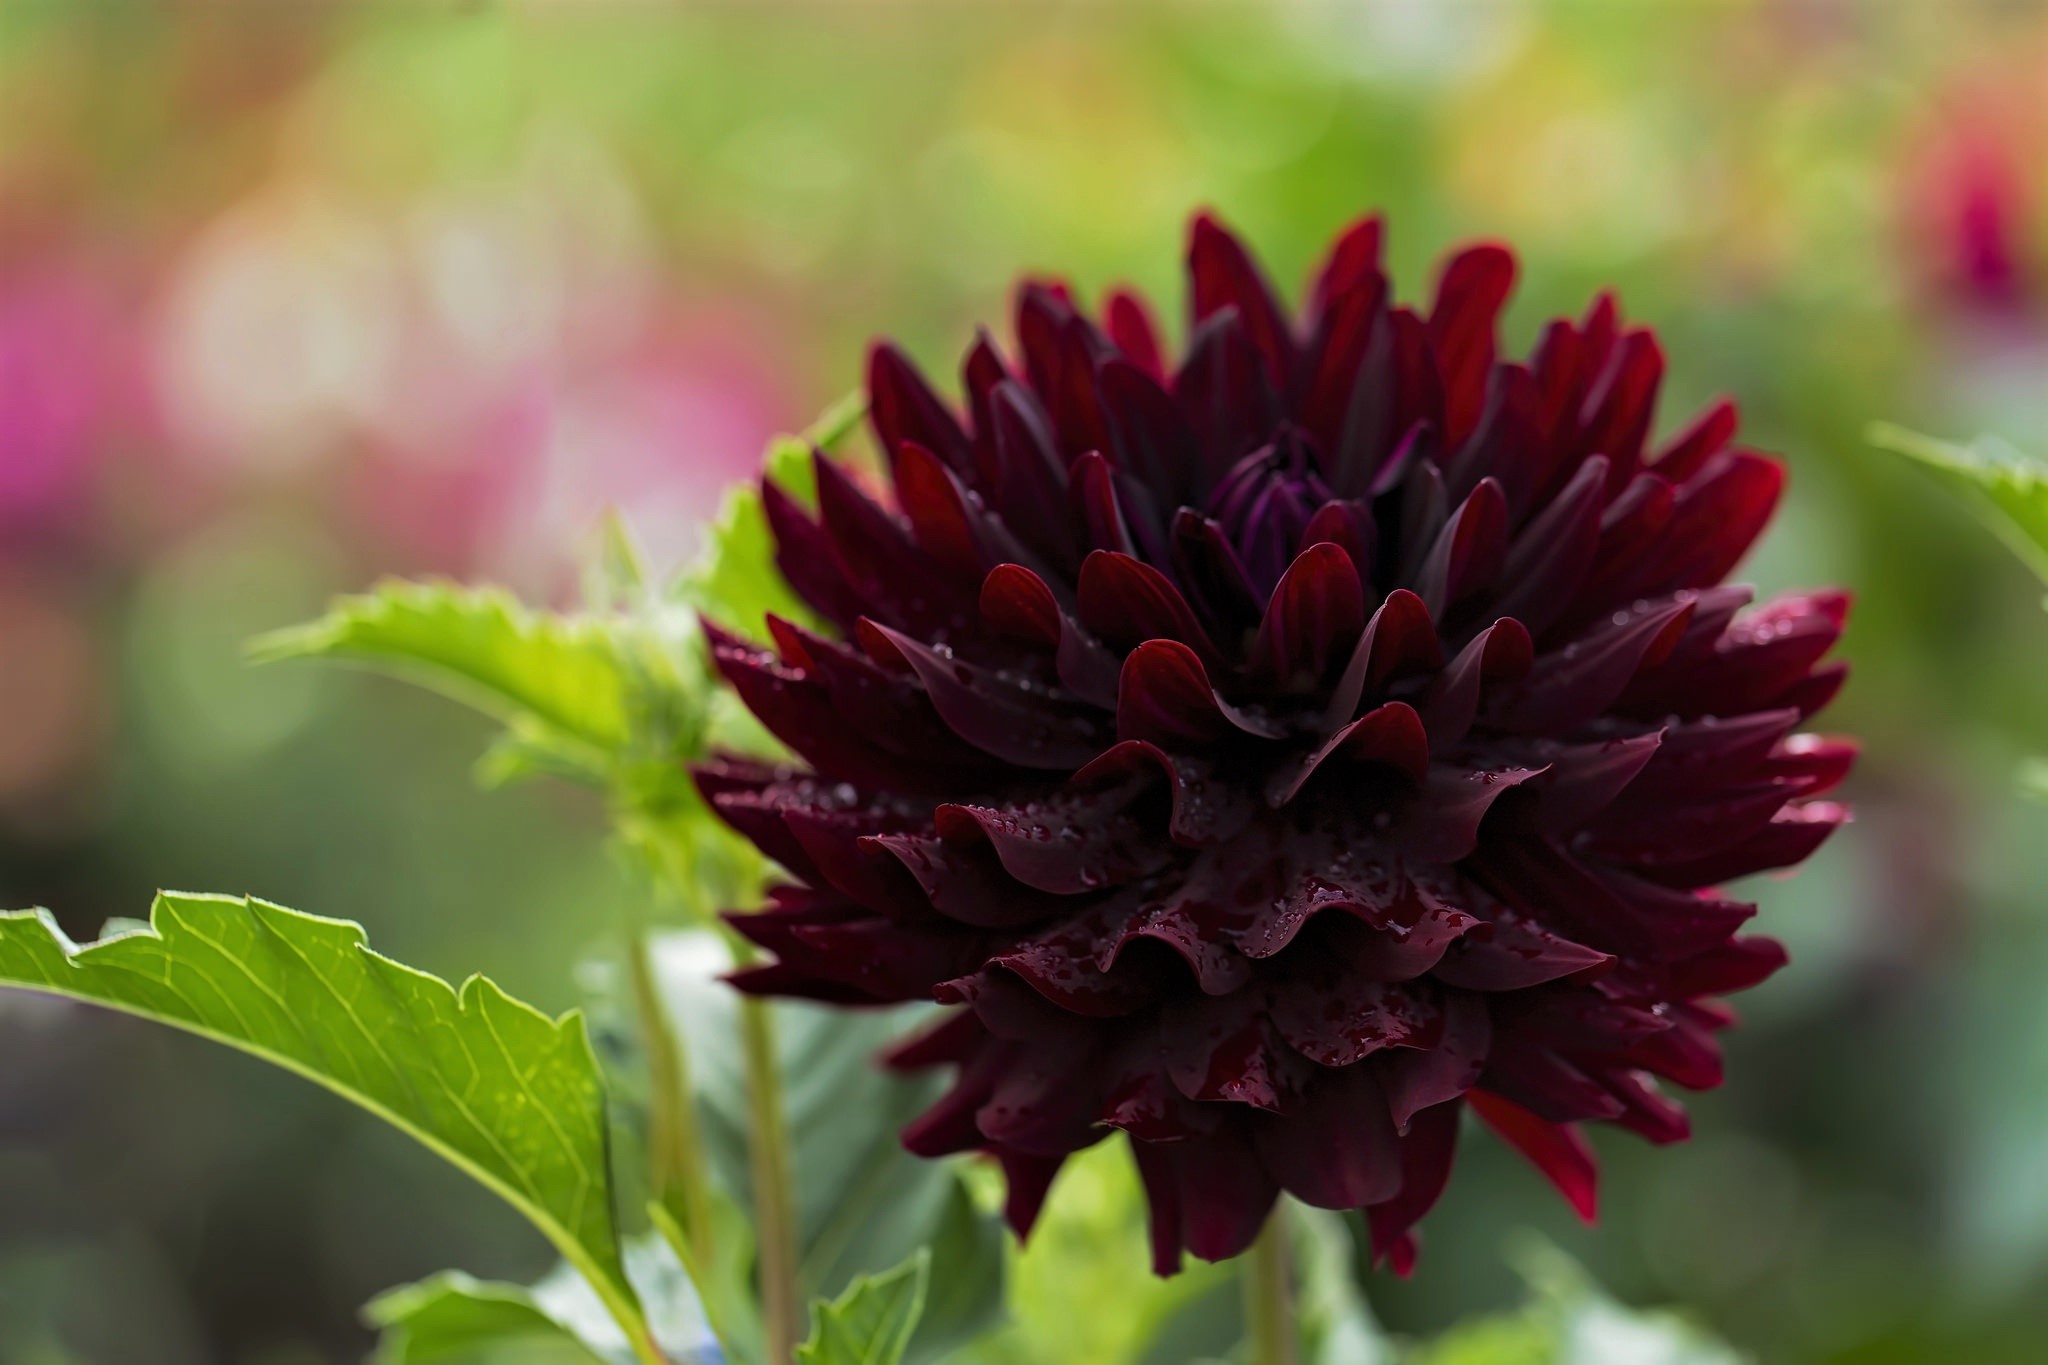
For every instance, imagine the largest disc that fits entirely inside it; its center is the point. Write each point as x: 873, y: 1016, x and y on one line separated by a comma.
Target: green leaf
x: 735, y: 581
x: 871, y: 1323
x: 723, y: 1281
x: 453, y: 1319
x: 2008, y: 491
x: 863, y: 1204
x: 622, y: 700
x: 1571, y: 1319
x: 493, y: 1085
x: 559, y: 676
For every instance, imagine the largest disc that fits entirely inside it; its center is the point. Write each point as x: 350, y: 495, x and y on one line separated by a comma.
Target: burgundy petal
x: 1427, y: 1147
x: 1164, y: 698
x: 1225, y: 387
x: 1018, y: 603
x: 1130, y: 326
x: 1127, y: 602
x: 1708, y: 435
x: 1552, y: 554
x: 1391, y: 735
x: 902, y: 408
x: 1338, y: 1027
x: 1517, y: 954
x: 1337, y: 356
x: 1418, y: 1079
x: 1066, y: 843
x: 1224, y: 276
x: 1619, y: 409
x: 1570, y: 686
x: 1339, y: 1149
x: 1354, y: 258
x: 1500, y: 654
x: 936, y: 503
x: 1469, y: 297
x: 1556, y: 1149
x: 1314, y: 618
x: 1468, y: 553
x: 1398, y: 641
x: 1006, y: 717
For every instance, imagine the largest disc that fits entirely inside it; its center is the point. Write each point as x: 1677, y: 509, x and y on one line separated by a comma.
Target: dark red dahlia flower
x: 1275, y: 752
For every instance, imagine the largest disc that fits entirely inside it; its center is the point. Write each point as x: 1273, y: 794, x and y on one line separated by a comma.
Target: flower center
x: 1264, y: 504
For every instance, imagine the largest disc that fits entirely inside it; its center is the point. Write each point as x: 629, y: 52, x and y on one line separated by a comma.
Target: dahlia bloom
x: 1275, y: 753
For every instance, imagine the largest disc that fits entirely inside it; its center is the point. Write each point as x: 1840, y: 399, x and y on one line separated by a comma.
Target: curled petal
x: 1427, y: 1147
x: 1338, y: 1027
x: 1416, y: 1080
x: 1164, y: 697
x: 1440, y: 824
x: 1585, y: 779
x: 1006, y: 717
x: 1399, y: 640
x: 1078, y: 840
x: 1017, y: 603
x: 1500, y: 654
x: 1391, y: 735
x: 1468, y: 553
x: 1127, y: 602
x: 1205, y: 806
x: 1314, y: 618
x: 1339, y: 1149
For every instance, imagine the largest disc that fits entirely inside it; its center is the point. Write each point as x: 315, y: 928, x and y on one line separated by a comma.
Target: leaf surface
x: 735, y: 582
x: 454, y: 1319
x: 490, y: 1083
x: 2007, y: 490
x: 1570, y: 1318
x: 480, y: 646
x: 863, y: 1203
x: 871, y: 1323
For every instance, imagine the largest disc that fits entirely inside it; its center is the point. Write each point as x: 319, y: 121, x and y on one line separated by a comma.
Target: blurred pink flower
x: 1973, y: 209
x: 485, y: 368
x: 510, y: 471
x: 67, y: 387
x: 1976, y: 213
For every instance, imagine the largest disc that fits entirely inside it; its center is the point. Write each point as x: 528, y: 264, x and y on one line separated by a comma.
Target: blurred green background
x: 294, y: 295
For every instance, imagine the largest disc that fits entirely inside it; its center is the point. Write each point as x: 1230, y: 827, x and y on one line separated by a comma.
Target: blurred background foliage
x: 295, y: 295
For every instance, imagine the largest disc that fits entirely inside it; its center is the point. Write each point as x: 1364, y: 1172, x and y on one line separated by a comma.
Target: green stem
x: 1269, y: 1293
x: 678, y: 1171
x: 774, y: 1192
x: 639, y: 1336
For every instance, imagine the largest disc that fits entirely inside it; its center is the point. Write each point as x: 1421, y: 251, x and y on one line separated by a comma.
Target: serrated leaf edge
x: 476, y: 995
